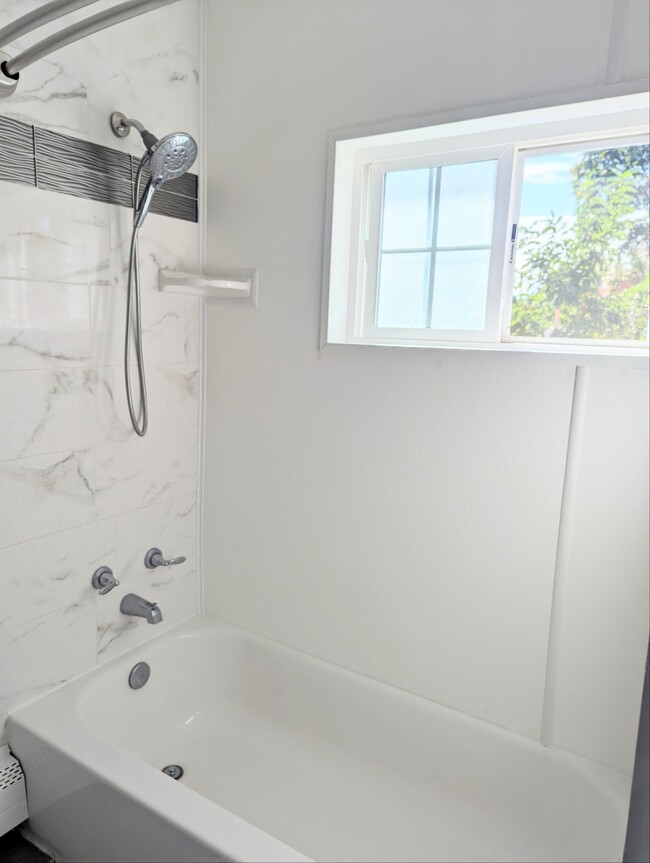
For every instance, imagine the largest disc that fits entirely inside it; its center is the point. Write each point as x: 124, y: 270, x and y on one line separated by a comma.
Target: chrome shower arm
x: 39, y: 17
x: 84, y: 28
x: 121, y: 127
x: 129, y: 121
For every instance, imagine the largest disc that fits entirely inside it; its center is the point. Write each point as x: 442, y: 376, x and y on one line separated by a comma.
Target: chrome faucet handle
x: 103, y: 580
x: 154, y: 558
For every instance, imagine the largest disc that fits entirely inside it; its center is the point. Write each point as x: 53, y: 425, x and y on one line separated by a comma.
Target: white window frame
x: 352, y: 238
x: 368, y: 273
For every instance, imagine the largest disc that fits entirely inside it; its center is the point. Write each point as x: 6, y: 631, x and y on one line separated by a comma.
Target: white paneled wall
x: 605, y: 605
x: 77, y: 487
x: 383, y: 508
x: 399, y: 541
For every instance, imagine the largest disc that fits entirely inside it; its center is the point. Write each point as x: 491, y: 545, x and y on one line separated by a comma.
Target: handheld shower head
x: 168, y: 158
x: 171, y: 157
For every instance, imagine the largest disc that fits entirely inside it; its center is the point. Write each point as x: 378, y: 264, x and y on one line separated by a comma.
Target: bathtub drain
x: 173, y: 770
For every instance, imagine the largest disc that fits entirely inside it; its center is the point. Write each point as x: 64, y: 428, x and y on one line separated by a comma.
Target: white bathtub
x: 290, y: 758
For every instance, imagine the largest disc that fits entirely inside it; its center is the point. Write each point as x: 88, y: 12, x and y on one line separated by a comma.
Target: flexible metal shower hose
x: 140, y: 419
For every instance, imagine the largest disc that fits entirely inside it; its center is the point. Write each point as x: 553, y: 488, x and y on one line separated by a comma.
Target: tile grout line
x: 79, y: 601
x: 34, y: 152
x: 91, y: 598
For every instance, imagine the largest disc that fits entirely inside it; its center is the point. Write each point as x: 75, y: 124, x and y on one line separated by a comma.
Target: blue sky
x: 548, y: 186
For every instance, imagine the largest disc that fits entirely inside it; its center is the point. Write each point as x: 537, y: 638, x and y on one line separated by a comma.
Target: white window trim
x: 364, y: 325
x: 351, y: 162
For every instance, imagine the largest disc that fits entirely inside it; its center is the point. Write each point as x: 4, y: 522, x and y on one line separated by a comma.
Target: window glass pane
x: 407, y: 210
x: 582, y: 257
x: 460, y: 290
x: 403, y: 289
x: 466, y: 211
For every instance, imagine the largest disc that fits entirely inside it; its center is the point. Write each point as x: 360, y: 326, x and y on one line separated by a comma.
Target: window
x: 581, y: 267
x: 528, y: 229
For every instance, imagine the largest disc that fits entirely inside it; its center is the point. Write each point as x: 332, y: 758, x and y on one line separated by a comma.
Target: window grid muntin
x: 433, y: 200
x: 435, y: 223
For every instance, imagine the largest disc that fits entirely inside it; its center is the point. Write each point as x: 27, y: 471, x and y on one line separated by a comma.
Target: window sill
x: 634, y: 358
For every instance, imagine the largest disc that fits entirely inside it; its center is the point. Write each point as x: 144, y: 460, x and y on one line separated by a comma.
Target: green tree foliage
x: 588, y: 279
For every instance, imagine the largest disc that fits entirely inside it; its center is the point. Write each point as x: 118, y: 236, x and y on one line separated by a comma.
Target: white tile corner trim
x: 77, y: 488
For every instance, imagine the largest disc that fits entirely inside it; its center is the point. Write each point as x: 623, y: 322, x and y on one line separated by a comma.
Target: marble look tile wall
x: 77, y: 487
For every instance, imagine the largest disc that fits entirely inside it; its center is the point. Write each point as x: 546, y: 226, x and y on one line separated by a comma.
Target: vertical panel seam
x: 202, y: 220
x: 565, y: 531
x: 616, y: 38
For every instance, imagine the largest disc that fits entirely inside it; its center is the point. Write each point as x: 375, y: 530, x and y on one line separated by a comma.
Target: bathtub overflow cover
x: 139, y: 675
x: 174, y: 770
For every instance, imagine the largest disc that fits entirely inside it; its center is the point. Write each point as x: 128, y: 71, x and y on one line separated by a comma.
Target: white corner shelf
x: 226, y: 284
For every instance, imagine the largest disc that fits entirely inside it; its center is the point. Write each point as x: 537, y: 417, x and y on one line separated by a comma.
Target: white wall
x: 602, y: 635
x: 382, y: 508
x: 77, y: 488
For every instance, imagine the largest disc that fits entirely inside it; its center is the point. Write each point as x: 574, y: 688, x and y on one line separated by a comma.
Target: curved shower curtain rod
x: 39, y: 17
x: 10, y: 68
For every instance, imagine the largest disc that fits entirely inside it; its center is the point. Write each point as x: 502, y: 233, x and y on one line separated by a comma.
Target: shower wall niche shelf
x: 226, y: 284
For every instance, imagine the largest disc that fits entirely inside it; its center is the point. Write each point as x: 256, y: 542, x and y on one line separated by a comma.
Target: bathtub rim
x: 62, y: 728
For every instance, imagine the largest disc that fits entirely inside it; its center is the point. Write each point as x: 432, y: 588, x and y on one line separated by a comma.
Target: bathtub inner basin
x: 338, y: 766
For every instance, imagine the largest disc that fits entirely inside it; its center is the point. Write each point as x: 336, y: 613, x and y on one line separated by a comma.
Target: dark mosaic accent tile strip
x: 84, y: 184
x: 187, y: 185
x: 71, y: 166
x: 20, y: 134
x: 16, y: 151
x: 72, y: 154
x: 19, y: 128
x: 176, y: 206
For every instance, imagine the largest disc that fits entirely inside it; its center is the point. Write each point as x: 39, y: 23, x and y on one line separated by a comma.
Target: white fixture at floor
x: 13, y: 800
